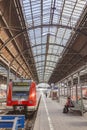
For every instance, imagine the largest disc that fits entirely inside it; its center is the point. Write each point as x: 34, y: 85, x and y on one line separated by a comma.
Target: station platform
x: 50, y: 117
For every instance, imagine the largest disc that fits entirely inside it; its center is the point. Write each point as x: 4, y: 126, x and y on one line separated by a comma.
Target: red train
x: 21, y: 94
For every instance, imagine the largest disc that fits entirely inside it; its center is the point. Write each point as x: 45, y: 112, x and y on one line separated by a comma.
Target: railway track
x: 31, y: 120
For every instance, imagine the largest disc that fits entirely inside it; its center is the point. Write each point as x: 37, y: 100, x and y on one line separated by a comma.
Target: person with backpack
x: 68, y: 104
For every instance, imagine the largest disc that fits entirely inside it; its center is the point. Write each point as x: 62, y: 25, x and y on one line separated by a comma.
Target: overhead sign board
x: 20, y: 84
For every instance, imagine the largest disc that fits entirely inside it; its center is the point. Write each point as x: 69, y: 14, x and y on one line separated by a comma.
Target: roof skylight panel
x: 52, y: 38
x: 44, y: 38
x: 66, y: 15
x: 37, y: 22
x: 29, y: 22
x: 56, y: 47
x: 26, y: 10
x: 28, y: 18
x: 42, y: 63
x: 51, y: 46
x: 63, y: 42
x: 50, y: 50
x: 65, y: 19
x: 43, y: 46
x: 52, y: 64
x: 79, y: 5
x: 35, y: 4
x: 43, y: 57
x: 60, y: 32
x: 45, y: 30
x: 67, y: 34
x: 54, y: 51
x: 46, y: 19
x: 38, y: 58
x: 70, y: 2
x: 38, y: 48
x: 37, y: 64
x: 25, y: 1
x: 47, y: 63
x: 77, y: 8
x: 54, y: 58
x: 58, y: 40
x: 38, y: 40
x: 35, y: 59
x: 67, y: 9
x: 46, y: 5
x: 48, y: 68
x: 55, y: 19
x: 60, y: 49
x: 38, y: 52
x: 40, y: 67
x: 34, y: 49
x: 43, y: 51
x: 38, y: 32
x: 48, y: 71
x: 53, y: 30
x: 64, y: 22
x: 36, y: 14
x: 48, y: 57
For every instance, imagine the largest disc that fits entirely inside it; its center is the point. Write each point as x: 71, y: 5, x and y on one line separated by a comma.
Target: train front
x: 21, y: 95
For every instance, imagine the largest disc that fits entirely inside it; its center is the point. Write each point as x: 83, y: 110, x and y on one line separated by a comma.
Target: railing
x: 12, y: 121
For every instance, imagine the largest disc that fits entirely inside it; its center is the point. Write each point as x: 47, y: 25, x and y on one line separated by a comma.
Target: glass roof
x: 3, y: 72
x: 46, y: 37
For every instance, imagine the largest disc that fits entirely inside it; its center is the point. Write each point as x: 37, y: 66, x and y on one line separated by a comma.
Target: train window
x: 20, y: 95
x: 20, y: 90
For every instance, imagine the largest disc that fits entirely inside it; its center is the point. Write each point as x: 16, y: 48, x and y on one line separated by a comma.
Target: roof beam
x: 49, y: 45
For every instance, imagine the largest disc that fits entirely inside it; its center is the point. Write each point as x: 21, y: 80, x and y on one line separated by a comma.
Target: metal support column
x: 76, y: 93
x: 64, y: 89
x: 61, y: 89
x: 59, y: 92
x: 67, y: 87
x: 79, y: 84
x: 72, y: 86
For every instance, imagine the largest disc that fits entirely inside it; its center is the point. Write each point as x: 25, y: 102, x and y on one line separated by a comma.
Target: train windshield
x: 20, y: 90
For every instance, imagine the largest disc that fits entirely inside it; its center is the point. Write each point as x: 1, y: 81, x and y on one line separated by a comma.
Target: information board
x: 21, y: 84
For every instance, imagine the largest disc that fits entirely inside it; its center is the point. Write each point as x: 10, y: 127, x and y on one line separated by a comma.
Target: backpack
x: 65, y: 110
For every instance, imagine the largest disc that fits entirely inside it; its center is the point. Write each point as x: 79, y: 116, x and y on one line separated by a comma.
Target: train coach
x: 21, y: 95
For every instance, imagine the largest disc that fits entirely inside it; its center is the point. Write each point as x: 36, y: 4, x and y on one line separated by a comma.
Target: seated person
x: 68, y: 104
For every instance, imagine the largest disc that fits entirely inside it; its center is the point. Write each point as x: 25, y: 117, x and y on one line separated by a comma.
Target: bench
x: 77, y: 107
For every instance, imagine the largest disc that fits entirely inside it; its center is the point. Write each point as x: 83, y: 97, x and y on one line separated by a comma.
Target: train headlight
x: 33, y: 94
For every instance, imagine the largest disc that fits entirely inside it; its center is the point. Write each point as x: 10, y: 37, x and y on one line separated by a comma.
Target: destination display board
x: 20, y: 84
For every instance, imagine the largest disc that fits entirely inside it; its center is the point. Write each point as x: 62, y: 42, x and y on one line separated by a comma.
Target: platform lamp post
x: 79, y: 83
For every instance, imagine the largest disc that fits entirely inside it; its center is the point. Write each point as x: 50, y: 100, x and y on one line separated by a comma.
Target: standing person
x: 46, y: 94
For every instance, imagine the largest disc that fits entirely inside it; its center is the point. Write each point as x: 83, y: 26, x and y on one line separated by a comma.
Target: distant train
x: 21, y: 94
